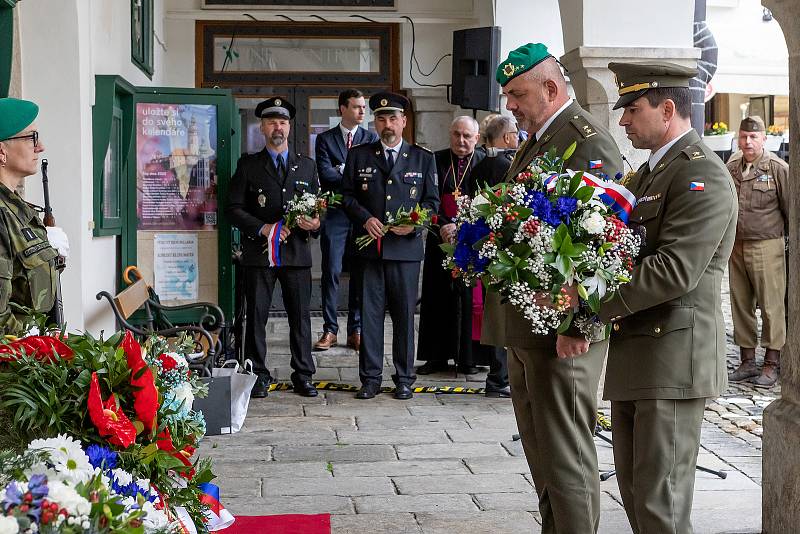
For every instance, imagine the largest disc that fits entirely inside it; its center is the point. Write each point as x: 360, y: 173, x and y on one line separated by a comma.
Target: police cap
x: 386, y: 102
x: 635, y: 79
x: 277, y: 106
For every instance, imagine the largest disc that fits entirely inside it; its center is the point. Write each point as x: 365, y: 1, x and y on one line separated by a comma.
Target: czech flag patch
x: 595, y: 164
x: 697, y: 186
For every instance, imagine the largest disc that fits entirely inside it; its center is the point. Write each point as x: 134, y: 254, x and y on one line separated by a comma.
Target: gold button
x: 284, y: 189
x: 616, y: 327
x: 657, y: 330
x: 388, y: 197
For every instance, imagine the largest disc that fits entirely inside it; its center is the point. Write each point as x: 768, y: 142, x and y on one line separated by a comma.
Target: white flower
x: 154, y: 519
x: 123, y: 477
x: 183, y: 396
x: 595, y: 283
x: 594, y: 223
x: 480, y: 200
x: 60, y: 447
x: 68, y: 498
x: 8, y: 525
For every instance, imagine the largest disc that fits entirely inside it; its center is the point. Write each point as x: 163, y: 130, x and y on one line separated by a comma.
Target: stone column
x: 596, y: 90
x: 781, y: 440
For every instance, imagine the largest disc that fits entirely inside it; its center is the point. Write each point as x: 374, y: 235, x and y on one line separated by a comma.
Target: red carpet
x: 281, y: 524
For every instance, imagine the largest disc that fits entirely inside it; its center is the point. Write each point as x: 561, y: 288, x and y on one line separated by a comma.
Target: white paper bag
x: 242, y: 381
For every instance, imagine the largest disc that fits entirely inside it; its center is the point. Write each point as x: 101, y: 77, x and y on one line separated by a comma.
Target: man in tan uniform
x: 555, y: 399
x: 667, y: 351
x: 757, y: 268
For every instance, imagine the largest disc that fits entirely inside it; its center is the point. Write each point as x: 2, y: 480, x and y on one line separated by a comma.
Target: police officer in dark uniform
x: 379, y: 179
x: 260, y: 188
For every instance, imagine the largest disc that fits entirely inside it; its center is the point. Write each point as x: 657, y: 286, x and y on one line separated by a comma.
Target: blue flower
x: 37, y: 486
x: 465, y: 256
x: 565, y: 206
x: 542, y: 208
x: 101, y: 457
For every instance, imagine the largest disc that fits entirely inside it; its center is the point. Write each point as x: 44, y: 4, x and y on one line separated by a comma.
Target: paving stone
x: 274, y: 505
x: 418, y: 485
x: 449, y: 450
x: 338, y: 485
x: 247, y: 468
x: 483, y: 435
x: 514, y: 448
x: 238, y: 487
x: 479, y: 522
x: 492, y: 421
x: 402, y: 422
x: 399, y: 468
x: 328, y: 374
x: 490, y: 465
x: 334, y: 453
x: 364, y: 408
x: 253, y: 454
x: 280, y: 437
x: 343, y: 398
x: 301, y: 424
x: 615, y: 522
x: 374, y: 524
x: 393, y: 437
x: 520, y: 501
x: 735, y: 481
x: 414, y: 503
x: 462, y: 409
x: 265, y: 408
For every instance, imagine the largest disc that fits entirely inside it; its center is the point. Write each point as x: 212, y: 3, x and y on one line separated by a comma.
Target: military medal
x: 262, y: 200
x: 413, y: 192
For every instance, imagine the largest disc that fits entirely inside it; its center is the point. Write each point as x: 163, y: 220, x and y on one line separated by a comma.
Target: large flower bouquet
x: 131, y: 399
x: 548, y: 228
x: 418, y: 217
x: 310, y: 206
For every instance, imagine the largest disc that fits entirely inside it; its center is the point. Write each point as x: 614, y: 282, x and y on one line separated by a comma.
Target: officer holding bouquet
x: 555, y: 398
x: 380, y: 178
x: 262, y: 185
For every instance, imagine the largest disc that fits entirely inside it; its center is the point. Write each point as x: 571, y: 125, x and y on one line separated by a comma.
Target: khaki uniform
x: 27, y: 262
x: 667, y: 351
x: 555, y: 400
x: 757, y: 268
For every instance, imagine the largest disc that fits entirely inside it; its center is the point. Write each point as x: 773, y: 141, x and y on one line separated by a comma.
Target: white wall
x: 63, y: 46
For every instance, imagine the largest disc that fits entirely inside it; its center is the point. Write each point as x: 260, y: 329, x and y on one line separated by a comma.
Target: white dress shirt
x: 656, y: 156
x: 546, y: 125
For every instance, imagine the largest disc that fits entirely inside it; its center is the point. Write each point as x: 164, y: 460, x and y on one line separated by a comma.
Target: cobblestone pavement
x: 444, y: 463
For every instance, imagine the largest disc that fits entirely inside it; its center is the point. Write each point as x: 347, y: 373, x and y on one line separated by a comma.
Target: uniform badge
x: 28, y: 234
x: 364, y: 186
x: 697, y: 186
x: 384, y: 102
x: 595, y: 164
x: 412, y: 192
x: 278, y: 102
x: 763, y: 178
x: 368, y: 169
x: 262, y: 200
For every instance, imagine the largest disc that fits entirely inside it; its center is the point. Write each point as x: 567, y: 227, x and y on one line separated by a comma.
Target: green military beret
x: 634, y: 79
x: 752, y: 124
x: 15, y: 116
x: 520, y: 61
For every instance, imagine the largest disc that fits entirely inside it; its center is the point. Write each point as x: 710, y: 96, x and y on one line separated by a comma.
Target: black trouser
x: 393, y: 283
x: 296, y: 289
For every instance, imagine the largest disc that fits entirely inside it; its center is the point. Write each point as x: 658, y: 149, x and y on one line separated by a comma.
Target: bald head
x: 536, y: 95
x: 463, y: 135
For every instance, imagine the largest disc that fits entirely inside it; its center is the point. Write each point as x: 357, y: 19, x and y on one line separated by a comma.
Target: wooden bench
x: 205, y: 330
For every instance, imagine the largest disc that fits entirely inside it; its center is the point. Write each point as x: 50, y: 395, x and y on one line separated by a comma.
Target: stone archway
x: 781, y: 453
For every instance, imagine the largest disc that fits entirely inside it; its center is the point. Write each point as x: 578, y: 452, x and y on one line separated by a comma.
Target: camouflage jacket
x: 27, y: 261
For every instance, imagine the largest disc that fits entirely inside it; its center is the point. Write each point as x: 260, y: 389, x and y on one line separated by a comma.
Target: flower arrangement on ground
x: 548, y: 228
x: 419, y: 217
x: 129, y: 405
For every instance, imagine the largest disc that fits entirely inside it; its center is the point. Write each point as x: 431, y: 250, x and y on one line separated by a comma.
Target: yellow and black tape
x: 334, y: 386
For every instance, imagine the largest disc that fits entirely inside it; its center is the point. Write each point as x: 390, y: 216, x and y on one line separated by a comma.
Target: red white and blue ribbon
x: 616, y: 196
x: 274, y: 244
x: 218, y: 517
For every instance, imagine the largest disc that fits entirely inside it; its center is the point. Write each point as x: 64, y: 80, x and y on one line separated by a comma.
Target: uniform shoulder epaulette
x: 693, y: 152
x: 426, y: 149
x: 583, y: 126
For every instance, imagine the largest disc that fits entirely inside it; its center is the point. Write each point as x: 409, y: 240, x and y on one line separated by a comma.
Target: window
x: 142, y: 35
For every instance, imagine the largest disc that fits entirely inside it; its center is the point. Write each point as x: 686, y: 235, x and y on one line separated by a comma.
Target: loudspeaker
x: 476, y: 53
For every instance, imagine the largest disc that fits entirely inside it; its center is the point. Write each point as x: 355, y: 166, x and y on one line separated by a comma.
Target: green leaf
x: 575, y: 182
x: 447, y: 248
x: 500, y: 270
x: 505, y: 258
x: 569, y: 151
x: 564, y: 326
x: 584, y: 194
x: 529, y: 278
x: 594, y: 302
x: 558, y: 237
x: 521, y: 250
x: 582, y: 292
x: 564, y: 265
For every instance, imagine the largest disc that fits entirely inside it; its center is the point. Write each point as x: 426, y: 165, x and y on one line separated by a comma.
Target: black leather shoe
x: 467, y: 369
x: 368, y: 391
x: 432, y: 366
x: 261, y: 387
x: 403, y: 392
x: 502, y: 393
x: 305, y: 388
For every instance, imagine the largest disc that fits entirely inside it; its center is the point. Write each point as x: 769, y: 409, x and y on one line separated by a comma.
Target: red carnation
x: 168, y: 363
x: 414, y: 216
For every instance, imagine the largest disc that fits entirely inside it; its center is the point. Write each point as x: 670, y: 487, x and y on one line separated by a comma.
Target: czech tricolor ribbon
x: 218, y: 517
x: 615, y: 196
x: 274, y: 244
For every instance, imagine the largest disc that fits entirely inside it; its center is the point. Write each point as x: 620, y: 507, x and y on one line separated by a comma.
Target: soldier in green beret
x: 28, y: 275
x: 555, y: 398
x: 667, y: 352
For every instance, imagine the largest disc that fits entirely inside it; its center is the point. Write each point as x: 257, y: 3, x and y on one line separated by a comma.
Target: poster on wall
x: 175, y: 266
x: 176, y: 166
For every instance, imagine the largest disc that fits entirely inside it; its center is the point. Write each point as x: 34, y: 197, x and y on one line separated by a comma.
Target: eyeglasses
x: 33, y: 136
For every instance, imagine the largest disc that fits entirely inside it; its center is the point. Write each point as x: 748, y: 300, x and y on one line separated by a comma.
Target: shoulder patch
x: 582, y: 125
x: 424, y: 148
x: 693, y: 152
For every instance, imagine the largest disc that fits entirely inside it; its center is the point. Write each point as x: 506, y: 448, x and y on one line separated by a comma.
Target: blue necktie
x: 390, y: 157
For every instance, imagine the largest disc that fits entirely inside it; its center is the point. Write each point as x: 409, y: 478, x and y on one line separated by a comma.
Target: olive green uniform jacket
x: 503, y: 325
x: 27, y: 262
x: 668, y: 336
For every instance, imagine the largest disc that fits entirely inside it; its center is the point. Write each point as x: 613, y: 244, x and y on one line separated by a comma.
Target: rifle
x: 57, y: 312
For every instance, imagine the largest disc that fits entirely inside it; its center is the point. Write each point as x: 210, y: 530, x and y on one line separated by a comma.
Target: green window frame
x: 112, y: 132
x: 6, y: 44
x: 142, y: 35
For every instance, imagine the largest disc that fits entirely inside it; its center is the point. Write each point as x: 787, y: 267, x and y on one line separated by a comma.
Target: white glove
x: 340, y: 168
x: 58, y: 240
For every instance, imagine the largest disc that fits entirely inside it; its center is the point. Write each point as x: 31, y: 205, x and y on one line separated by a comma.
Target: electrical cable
x: 413, y: 59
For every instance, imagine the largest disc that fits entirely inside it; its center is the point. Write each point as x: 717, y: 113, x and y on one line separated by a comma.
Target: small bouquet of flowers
x: 718, y: 128
x: 549, y: 228
x: 775, y: 129
x: 309, y: 205
x: 419, y: 217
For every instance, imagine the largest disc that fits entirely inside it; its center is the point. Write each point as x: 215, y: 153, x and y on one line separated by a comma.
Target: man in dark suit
x: 260, y: 188
x: 331, y: 152
x: 444, y: 332
x: 379, y: 179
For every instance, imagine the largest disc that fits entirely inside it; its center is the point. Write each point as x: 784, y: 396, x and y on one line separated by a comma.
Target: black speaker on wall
x: 476, y: 53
